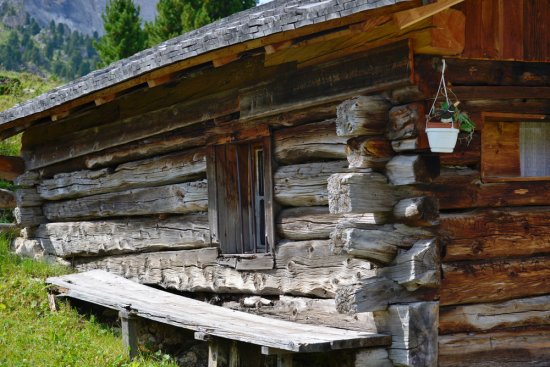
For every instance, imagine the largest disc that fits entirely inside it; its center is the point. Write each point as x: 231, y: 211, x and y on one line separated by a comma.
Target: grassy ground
x: 32, y: 335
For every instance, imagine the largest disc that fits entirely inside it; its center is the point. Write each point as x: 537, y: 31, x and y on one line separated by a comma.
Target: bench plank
x: 115, y: 292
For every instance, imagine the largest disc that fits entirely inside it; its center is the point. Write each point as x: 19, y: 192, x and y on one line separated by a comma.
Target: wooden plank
x: 407, y: 18
x: 173, y: 168
x: 212, y: 194
x: 11, y: 167
x: 445, y: 35
x: 465, y: 93
x: 492, y: 233
x: 381, y: 69
x: 100, y: 238
x: 178, y: 198
x: 521, y: 347
x: 500, y: 149
x: 305, y: 268
x: 309, y: 142
x: 523, y: 312
x: 494, y: 280
x: 115, y: 292
x: 305, y: 184
x: 87, y: 141
x: 306, y: 223
x: 269, y: 194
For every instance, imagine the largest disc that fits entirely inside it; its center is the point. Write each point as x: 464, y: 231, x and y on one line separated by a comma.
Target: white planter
x: 442, y: 139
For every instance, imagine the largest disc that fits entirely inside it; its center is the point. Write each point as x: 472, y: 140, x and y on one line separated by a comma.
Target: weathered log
x: 411, y: 145
x: 27, y: 248
x: 414, y: 169
x: 374, y: 245
x: 493, y: 281
x: 510, y: 348
x: 309, y: 311
x: 179, y: 198
x: 467, y: 152
x: 307, y: 223
x: 416, y: 268
x: 7, y: 199
x: 405, y: 121
x: 408, y: 94
x: 25, y: 197
x: 368, y: 152
x: 371, y: 294
x: 11, y: 167
x: 362, y: 115
x: 173, y: 168
x: 347, y: 194
x: 305, y: 184
x: 102, y: 238
x: 372, y: 358
x: 413, y: 328
x: 418, y: 211
x: 310, y: 142
x: 533, y: 311
x: 486, y: 234
x: 304, y: 276
x: 27, y: 179
x: 29, y: 216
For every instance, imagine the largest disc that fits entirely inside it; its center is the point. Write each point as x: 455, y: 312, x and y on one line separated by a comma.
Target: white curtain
x: 535, y: 149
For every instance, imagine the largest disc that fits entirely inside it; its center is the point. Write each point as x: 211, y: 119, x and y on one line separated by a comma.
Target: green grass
x: 32, y: 335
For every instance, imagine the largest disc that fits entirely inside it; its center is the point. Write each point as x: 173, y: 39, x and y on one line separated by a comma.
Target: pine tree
x: 175, y: 17
x: 123, y: 33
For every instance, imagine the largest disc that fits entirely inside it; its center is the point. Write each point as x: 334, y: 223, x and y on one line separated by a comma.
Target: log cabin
x: 276, y: 162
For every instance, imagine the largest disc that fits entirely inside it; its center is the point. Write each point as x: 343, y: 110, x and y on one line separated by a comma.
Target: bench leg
x: 129, y: 333
x: 234, y: 356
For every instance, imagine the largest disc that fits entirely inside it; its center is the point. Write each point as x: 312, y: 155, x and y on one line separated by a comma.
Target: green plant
x: 464, y: 121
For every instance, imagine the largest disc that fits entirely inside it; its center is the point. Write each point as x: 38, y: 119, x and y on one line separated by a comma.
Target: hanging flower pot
x: 444, y: 123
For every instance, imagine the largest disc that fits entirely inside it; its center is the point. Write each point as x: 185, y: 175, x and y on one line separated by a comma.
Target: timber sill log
x: 362, y: 115
x: 305, y: 268
x: 179, y: 198
x: 173, y: 168
x: 28, y: 197
x: 100, y: 238
x: 305, y: 184
x: 29, y: 217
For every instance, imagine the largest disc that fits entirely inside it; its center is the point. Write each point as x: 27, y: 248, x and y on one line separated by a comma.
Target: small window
x: 240, y: 197
x: 515, y: 148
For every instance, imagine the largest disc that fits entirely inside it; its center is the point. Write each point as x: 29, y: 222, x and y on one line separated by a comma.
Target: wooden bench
x: 207, y: 321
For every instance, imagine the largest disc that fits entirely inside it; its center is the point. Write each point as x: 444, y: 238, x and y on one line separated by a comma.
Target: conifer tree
x: 123, y: 33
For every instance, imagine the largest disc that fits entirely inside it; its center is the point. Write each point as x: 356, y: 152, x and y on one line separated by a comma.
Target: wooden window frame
x: 243, y: 261
x: 495, y: 117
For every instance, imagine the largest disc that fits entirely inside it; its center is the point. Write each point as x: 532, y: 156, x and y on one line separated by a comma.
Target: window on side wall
x: 240, y: 198
x: 515, y: 147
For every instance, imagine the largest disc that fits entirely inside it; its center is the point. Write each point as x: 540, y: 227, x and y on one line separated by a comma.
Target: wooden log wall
x: 495, y: 237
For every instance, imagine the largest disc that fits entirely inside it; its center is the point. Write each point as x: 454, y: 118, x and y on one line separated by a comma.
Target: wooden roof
x: 257, y: 27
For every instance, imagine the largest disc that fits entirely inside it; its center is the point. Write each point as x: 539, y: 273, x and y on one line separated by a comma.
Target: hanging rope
x: 441, y: 92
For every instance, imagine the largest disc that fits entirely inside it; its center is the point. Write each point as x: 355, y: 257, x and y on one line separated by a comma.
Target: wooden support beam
x: 407, y: 18
x: 60, y: 115
x: 128, y: 323
x: 105, y: 99
x: 218, y: 352
x: 11, y: 167
x: 271, y: 49
x: 151, y: 83
x: 284, y: 360
x: 225, y: 60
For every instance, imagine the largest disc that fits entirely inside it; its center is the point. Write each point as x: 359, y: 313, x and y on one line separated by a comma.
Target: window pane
x: 535, y: 149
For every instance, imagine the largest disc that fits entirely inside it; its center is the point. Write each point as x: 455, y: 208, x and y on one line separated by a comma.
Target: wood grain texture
x: 309, y: 142
x: 522, y: 312
x: 362, y: 115
x: 100, y: 238
x: 162, y: 170
x: 493, y: 233
x: 494, y: 280
x: 412, y: 169
x: 114, y: 292
x: 178, y: 198
x: 304, y: 268
x: 306, y: 223
x: 521, y: 347
x: 369, y: 152
x: 419, y: 211
x: 305, y: 184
